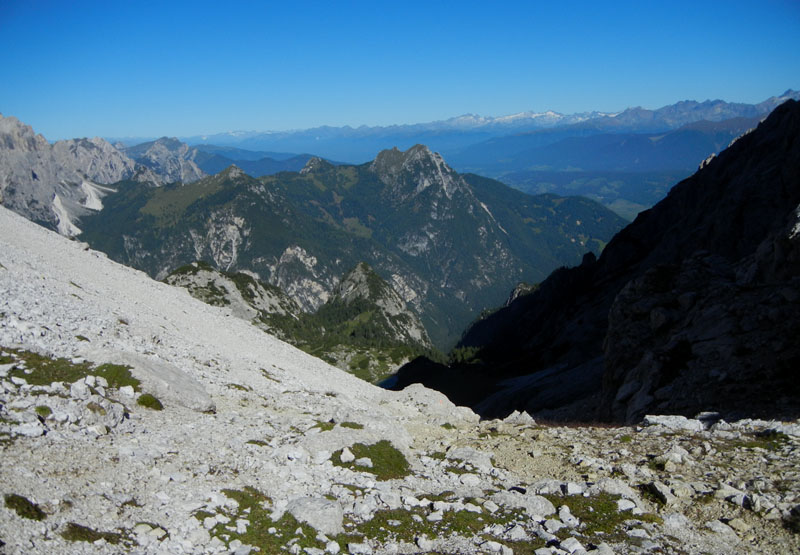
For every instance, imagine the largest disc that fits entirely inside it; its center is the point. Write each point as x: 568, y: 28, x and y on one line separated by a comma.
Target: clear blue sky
x: 143, y: 69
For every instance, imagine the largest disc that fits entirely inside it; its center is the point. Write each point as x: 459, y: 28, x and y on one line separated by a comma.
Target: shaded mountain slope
x: 739, y: 213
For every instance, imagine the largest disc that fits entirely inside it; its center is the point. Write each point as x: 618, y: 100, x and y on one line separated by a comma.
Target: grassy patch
x: 625, y: 438
x: 769, y: 441
x: 117, y: 375
x: 81, y: 338
x: 324, y: 426
x: 238, y: 387
x: 352, y: 425
x: 387, y: 462
x: 46, y: 370
x: 43, y: 410
x: 255, y: 507
x: 448, y: 426
x: 599, y: 512
x: 23, y: 506
x: 259, y: 442
x: 75, y: 532
x: 149, y: 401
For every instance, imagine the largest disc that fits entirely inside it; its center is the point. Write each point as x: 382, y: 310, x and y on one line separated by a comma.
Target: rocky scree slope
x: 449, y: 244
x: 692, y: 306
x: 259, y: 447
x: 365, y: 327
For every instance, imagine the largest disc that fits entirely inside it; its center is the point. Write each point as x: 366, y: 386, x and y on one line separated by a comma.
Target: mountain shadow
x: 694, y: 306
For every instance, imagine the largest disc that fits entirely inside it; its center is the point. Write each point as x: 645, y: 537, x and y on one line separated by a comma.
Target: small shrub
x: 149, y: 401
x: 23, y: 507
x: 43, y: 410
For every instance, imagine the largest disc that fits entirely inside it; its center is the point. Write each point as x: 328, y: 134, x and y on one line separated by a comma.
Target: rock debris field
x: 134, y: 418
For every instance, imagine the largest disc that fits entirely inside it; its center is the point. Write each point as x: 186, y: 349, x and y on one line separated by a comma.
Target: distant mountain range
x: 626, y: 160
x: 357, y: 145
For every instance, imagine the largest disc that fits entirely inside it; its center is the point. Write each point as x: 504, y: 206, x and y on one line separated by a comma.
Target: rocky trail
x: 134, y: 418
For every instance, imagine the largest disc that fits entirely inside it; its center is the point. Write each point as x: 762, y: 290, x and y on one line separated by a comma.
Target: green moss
x: 352, y: 425
x: 149, y: 401
x: 324, y: 426
x: 599, y: 513
x: 769, y: 441
x: 625, y: 439
x: 256, y: 508
x: 117, y: 375
x: 81, y: 338
x: 259, y: 442
x: 387, y: 462
x: 238, y: 387
x: 77, y: 533
x: 46, y: 370
x: 23, y: 507
x: 448, y: 426
x: 202, y: 515
x: 43, y: 410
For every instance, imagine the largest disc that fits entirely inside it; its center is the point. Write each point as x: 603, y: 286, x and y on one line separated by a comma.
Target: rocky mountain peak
x: 171, y: 159
x: 232, y: 172
x: 15, y: 135
x: 55, y: 184
x: 316, y: 164
x: 412, y: 171
x: 362, y: 282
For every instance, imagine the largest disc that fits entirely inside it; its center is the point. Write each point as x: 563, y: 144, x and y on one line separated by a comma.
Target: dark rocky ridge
x: 691, y: 307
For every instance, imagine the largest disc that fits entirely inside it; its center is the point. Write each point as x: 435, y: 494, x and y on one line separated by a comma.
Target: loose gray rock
x: 323, y: 515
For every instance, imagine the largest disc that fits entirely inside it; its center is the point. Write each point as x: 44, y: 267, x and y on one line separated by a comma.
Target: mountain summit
x: 411, y: 172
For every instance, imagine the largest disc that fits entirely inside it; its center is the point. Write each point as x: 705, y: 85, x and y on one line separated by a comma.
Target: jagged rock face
x: 55, y: 184
x: 248, y: 298
x: 683, y: 331
x: 411, y: 172
x: 362, y: 283
x: 170, y: 159
x: 365, y: 327
x: 450, y: 245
